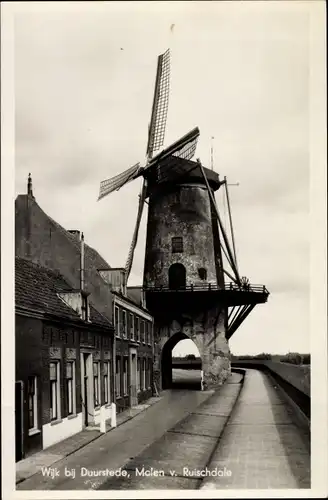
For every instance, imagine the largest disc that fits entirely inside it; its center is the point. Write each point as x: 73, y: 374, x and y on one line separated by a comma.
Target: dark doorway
x: 85, y: 389
x: 177, y: 276
x: 19, y: 387
x: 182, y: 373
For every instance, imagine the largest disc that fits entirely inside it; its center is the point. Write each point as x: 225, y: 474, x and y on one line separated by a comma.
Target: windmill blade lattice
x: 183, y: 148
x: 165, y: 165
x: 188, y: 150
x: 142, y: 198
x: 160, y: 105
x: 171, y: 167
x: 115, y: 183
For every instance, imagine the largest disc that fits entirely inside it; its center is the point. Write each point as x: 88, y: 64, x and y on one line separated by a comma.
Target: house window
x: 32, y: 403
x: 118, y: 377
x: 177, y: 244
x: 107, y: 397
x: 125, y: 376
x: 84, y: 308
x: 142, y: 330
x: 131, y: 327
x: 117, y: 321
x: 146, y: 332
x: 96, y: 383
x: 150, y: 332
x: 54, y: 390
x: 124, y: 326
x: 70, y: 387
x: 136, y: 328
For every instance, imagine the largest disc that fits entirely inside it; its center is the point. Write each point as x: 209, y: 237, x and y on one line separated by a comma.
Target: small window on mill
x: 177, y: 244
x: 202, y: 272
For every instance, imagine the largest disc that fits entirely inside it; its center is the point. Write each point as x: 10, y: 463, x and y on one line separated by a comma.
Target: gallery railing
x: 209, y: 287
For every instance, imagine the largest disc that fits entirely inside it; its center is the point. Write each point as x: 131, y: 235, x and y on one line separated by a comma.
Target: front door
x: 85, y: 387
x: 19, y: 388
x: 133, y: 376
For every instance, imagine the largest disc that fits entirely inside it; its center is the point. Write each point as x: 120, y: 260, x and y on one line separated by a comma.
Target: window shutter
x: 128, y: 321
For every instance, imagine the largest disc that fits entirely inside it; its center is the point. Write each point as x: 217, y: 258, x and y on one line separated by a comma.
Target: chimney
x: 76, y: 233
x: 29, y: 186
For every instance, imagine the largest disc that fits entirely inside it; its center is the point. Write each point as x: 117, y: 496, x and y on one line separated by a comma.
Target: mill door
x: 177, y: 276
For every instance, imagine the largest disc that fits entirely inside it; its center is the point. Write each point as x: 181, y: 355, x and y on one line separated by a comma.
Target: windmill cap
x: 179, y: 172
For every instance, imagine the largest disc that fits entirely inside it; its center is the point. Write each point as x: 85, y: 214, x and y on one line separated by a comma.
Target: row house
x: 133, y: 341
x: 64, y: 359
x: 83, y: 339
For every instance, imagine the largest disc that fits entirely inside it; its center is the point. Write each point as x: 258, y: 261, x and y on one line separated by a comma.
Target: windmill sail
x: 160, y: 105
x: 156, y: 135
x: 115, y: 183
x: 165, y: 164
x: 183, y: 148
x: 187, y: 151
x: 142, y: 198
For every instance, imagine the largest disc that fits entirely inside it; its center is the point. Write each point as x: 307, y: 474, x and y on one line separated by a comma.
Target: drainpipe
x: 113, y: 385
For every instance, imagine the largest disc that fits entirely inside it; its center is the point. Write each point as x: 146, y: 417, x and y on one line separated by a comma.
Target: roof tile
x: 37, y: 287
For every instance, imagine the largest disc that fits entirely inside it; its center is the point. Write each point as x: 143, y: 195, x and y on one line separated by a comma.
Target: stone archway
x: 166, y: 358
x: 207, y: 331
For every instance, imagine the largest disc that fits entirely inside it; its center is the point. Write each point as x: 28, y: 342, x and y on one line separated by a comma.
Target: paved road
x: 175, y: 460
x: 120, y: 445
x: 262, y: 444
x: 186, y: 379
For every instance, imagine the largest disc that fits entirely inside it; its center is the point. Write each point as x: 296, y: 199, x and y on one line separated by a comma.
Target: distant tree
x: 306, y: 359
x: 243, y: 356
x: 190, y: 356
x: 295, y: 358
x: 263, y: 355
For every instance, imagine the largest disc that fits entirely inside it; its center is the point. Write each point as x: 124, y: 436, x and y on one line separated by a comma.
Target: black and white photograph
x: 164, y: 251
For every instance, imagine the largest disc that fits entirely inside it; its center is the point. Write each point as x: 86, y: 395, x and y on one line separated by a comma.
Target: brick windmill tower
x: 188, y: 252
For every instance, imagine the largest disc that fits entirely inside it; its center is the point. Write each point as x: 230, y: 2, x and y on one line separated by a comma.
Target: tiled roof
x: 40, y: 239
x: 37, y: 287
x: 98, y: 318
x: 90, y: 253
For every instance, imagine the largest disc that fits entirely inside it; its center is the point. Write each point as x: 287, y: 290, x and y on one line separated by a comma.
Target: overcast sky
x: 84, y: 77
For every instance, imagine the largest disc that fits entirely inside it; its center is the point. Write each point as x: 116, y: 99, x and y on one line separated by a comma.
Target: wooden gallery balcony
x: 199, y: 297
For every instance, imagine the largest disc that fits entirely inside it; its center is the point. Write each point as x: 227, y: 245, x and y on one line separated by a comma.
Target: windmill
x: 160, y: 165
x: 184, y: 271
x: 171, y: 166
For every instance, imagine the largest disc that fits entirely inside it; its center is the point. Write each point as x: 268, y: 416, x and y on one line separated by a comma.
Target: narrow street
x: 120, y: 445
x: 231, y: 438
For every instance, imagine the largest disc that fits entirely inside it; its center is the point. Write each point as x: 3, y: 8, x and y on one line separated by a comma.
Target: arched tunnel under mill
x: 181, y: 364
